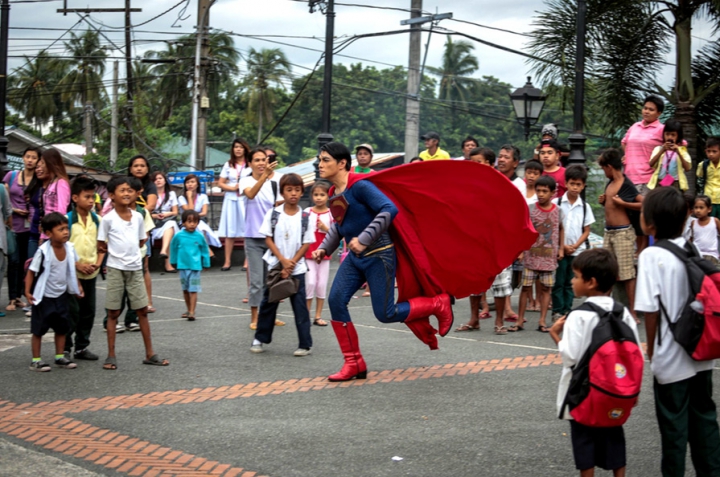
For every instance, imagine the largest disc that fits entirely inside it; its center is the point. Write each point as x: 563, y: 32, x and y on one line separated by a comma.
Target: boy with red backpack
x: 678, y: 291
x: 602, y: 366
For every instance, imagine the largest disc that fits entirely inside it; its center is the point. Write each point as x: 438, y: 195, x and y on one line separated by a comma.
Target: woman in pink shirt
x: 640, y: 140
x: 56, y: 187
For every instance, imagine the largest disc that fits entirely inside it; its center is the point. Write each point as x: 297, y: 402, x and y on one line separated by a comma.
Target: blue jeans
x: 378, y: 270
x: 268, y: 312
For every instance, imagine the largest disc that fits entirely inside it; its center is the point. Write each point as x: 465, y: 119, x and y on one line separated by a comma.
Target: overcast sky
x: 288, y: 17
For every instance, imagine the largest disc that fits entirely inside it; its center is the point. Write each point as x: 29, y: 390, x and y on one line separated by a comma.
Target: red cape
x: 459, y: 224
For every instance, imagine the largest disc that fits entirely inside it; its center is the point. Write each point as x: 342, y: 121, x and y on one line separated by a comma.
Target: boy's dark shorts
x: 602, y: 447
x: 51, y: 313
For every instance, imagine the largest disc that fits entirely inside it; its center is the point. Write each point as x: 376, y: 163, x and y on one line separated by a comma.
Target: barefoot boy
x: 49, y: 282
x: 620, y: 197
x: 121, y: 235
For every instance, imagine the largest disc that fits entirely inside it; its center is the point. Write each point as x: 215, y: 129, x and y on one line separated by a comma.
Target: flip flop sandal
x: 515, y: 328
x: 151, y: 309
x: 185, y: 315
x: 191, y: 317
x: 467, y: 327
x: 501, y: 330
x: 279, y: 323
x: 253, y: 326
x: 110, y: 364
x: 154, y: 360
x: 543, y: 329
x: 484, y: 315
x: 319, y: 322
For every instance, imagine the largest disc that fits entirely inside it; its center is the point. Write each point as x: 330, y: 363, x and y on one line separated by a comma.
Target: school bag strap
x: 13, y: 176
x: 274, y: 186
x: 275, y: 216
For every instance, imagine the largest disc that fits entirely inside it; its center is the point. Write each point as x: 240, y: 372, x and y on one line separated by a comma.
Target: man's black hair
x: 712, y: 142
x: 546, y: 181
x: 657, y: 101
x: 339, y: 151
x: 665, y: 209
x: 188, y: 213
x: 117, y: 181
x: 52, y: 220
x: 533, y: 165
x: 485, y: 152
x: 469, y: 138
x: 611, y: 157
x: 515, y: 151
x: 600, y: 264
x: 576, y: 172
x: 82, y: 183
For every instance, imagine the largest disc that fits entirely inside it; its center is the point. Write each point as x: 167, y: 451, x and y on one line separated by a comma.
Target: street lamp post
x: 577, y: 138
x: 528, y: 103
x: 4, y: 28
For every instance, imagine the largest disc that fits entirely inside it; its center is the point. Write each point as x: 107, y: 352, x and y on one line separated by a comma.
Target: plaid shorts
x: 621, y: 242
x: 501, y: 286
x: 546, y: 278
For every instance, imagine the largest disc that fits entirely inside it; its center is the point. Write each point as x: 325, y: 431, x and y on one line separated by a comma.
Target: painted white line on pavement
x: 461, y: 339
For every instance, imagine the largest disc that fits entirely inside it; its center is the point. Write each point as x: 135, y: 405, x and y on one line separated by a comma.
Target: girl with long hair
x: 232, y: 217
x: 164, y: 216
x: 193, y: 199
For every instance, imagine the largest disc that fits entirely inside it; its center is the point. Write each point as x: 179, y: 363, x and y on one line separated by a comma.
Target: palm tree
x: 31, y: 89
x: 626, y: 46
x: 83, y: 82
x: 458, y: 64
x: 266, y: 67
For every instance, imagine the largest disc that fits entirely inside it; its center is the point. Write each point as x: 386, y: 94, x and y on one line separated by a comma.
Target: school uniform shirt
x: 57, y: 277
x: 148, y: 226
x: 83, y: 236
x: 233, y: 176
x: 288, y: 237
x: 256, y: 209
x: 123, y: 238
x: 573, y: 221
x: 712, y: 181
x: 519, y: 182
x: 576, y: 338
x: 662, y: 276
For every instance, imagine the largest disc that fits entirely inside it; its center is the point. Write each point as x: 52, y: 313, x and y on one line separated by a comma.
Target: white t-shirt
x: 233, y: 175
x: 530, y: 200
x: 573, y: 221
x: 519, y: 182
x: 167, y: 202
x: 576, y: 338
x: 123, y: 239
x: 256, y: 208
x: 200, y: 201
x: 661, y: 275
x: 57, y: 279
x: 287, y: 237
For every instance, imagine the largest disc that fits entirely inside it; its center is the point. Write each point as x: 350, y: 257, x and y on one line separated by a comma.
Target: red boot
x: 354, y: 366
x: 439, y: 305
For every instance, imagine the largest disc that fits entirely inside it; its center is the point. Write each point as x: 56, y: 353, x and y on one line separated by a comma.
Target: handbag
x: 668, y: 180
x: 280, y: 288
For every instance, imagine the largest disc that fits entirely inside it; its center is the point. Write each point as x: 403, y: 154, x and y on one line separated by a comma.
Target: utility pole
x: 201, y: 102
x: 4, y: 28
x: 114, y: 119
x: 412, y: 105
x: 577, y: 138
x: 88, y: 127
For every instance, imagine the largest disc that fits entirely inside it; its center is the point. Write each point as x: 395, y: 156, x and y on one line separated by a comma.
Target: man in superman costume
x: 446, y: 229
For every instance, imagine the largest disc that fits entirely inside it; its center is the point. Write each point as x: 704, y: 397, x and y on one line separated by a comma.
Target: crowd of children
x: 60, y: 283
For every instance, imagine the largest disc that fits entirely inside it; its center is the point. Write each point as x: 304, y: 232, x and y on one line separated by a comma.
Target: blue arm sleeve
x: 379, y: 203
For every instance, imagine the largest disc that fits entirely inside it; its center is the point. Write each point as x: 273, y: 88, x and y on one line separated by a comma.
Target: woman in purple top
x: 17, y: 182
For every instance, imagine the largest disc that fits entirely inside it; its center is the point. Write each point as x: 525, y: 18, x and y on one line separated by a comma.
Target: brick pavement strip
x: 47, y: 425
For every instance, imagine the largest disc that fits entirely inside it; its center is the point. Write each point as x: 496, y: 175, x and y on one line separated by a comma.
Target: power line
x: 490, y: 27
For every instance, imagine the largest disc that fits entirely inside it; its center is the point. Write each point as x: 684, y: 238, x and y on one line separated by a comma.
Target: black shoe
x: 86, y: 354
x: 225, y: 269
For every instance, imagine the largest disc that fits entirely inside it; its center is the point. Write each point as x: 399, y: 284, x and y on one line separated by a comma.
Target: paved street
x: 482, y: 405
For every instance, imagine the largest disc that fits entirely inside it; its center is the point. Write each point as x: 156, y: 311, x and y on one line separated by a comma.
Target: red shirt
x: 559, y: 177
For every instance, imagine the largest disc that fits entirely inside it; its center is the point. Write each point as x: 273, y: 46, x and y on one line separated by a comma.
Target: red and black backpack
x: 605, y: 383
x: 697, y: 329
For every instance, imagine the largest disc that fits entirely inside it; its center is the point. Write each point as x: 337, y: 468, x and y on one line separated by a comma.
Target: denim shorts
x: 190, y: 281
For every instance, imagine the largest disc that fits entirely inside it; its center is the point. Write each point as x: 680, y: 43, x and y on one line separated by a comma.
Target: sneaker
x: 86, y: 354
x: 119, y: 328
x: 26, y: 308
x: 302, y: 352
x: 40, y: 366
x: 65, y: 363
x: 133, y: 327
x: 257, y: 348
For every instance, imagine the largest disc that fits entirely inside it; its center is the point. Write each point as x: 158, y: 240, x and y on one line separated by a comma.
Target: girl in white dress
x: 232, y: 217
x: 165, y: 216
x: 192, y: 199
x: 704, y: 231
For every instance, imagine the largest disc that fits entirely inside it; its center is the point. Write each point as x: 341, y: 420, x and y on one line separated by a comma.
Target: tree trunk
x: 685, y: 113
x: 683, y: 73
